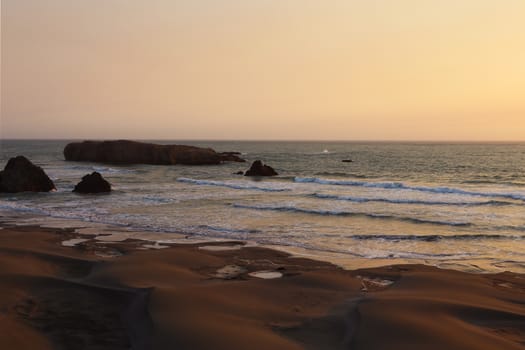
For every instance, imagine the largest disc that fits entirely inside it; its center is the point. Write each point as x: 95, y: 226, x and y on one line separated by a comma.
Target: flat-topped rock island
x: 134, y: 152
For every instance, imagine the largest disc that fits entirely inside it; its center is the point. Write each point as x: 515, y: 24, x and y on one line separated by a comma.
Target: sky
x: 263, y: 69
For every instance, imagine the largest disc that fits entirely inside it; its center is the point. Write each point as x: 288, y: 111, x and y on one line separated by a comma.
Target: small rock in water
x: 260, y: 169
x: 347, y: 161
x: 93, y: 183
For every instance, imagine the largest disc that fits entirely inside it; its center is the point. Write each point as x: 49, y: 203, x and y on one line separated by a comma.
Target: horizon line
x: 265, y: 140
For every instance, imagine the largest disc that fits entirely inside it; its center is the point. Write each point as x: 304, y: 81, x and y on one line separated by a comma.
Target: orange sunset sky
x: 263, y: 69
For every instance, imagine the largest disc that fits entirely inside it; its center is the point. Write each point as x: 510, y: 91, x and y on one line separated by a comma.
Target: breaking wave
x: 406, y: 201
x: 348, y: 213
x: 234, y: 185
x: 435, y: 238
x: 402, y: 186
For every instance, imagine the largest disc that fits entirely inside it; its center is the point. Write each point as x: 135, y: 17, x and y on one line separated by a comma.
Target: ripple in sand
x: 267, y: 275
x: 73, y: 242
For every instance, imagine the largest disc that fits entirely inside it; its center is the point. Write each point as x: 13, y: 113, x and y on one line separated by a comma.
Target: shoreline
x: 367, y: 214
x: 110, y: 233
x: 187, y: 297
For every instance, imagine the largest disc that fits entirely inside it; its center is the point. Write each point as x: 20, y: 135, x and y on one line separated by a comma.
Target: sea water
x: 456, y: 205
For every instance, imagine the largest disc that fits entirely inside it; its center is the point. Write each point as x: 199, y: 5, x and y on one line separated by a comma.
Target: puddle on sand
x: 267, y: 275
x: 155, y: 246
x: 374, y: 283
x: 229, y: 272
x: 73, y: 242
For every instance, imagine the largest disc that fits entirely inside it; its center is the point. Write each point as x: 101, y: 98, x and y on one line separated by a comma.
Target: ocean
x: 457, y: 205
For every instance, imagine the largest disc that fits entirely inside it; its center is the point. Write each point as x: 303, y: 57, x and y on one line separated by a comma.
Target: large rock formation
x: 132, y: 152
x: 93, y: 183
x: 260, y: 169
x: 20, y: 175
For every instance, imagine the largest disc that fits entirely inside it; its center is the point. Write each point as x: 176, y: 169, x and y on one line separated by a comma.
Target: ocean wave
x: 402, y: 186
x: 100, y: 169
x: 348, y: 214
x: 382, y: 254
x: 21, y: 208
x: 340, y: 174
x: 406, y: 201
x: 234, y: 185
x: 158, y: 200
x: 436, y: 238
x: 491, y: 182
x: 226, y: 230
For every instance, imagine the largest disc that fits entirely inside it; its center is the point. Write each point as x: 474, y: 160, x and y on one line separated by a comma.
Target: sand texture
x: 92, y: 296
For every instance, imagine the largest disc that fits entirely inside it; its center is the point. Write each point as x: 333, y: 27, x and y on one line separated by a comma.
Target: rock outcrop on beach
x: 260, y: 169
x: 20, y: 175
x: 133, y: 152
x: 93, y: 183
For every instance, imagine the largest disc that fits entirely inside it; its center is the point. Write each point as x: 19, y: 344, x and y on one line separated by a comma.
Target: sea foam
x: 406, y: 201
x: 402, y: 186
x: 235, y: 185
x: 294, y: 209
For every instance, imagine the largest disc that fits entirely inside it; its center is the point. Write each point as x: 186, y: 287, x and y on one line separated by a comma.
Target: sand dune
x: 56, y: 297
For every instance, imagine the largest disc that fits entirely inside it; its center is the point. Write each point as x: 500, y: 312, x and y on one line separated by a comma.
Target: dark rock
x: 347, y: 161
x: 132, y: 152
x: 260, y: 169
x: 231, y: 157
x: 239, y: 173
x: 20, y: 175
x: 93, y: 183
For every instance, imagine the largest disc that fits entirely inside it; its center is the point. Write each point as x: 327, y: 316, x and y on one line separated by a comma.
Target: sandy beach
x: 187, y: 297
x: 262, y: 175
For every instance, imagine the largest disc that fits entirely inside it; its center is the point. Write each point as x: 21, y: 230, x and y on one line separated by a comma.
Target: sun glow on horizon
x: 264, y: 69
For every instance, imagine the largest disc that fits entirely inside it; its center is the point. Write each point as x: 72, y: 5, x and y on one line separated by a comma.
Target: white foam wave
x: 436, y: 238
x: 290, y: 208
x: 157, y: 200
x: 406, y: 201
x: 402, y: 186
x: 235, y: 185
x: 20, y: 208
x: 101, y: 169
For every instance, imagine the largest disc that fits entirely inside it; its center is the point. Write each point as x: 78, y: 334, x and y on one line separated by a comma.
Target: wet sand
x: 119, y: 296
